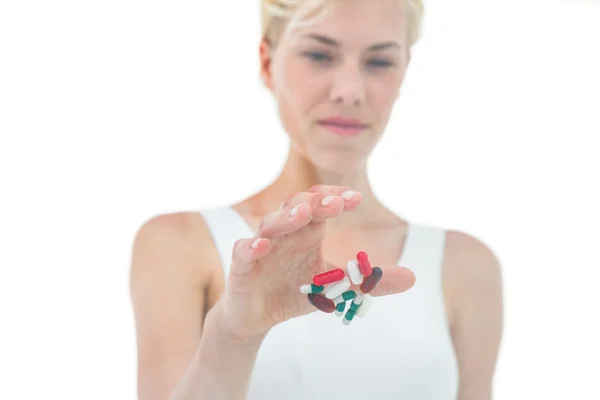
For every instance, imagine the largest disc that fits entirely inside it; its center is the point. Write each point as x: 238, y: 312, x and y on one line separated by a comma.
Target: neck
x: 299, y: 174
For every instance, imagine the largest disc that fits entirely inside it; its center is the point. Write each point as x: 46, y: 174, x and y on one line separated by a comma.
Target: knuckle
x: 286, y: 203
x: 290, y: 197
x: 297, y: 198
x: 267, y: 221
x: 238, y: 250
x: 261, y: 225
x: 239, y: 245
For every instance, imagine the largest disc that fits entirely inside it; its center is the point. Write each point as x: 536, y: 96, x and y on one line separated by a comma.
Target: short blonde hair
x: 278, y: 16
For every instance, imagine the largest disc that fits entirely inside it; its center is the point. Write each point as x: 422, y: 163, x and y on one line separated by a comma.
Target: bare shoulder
x: 471, y: 263
x: 175, y: 242
x: 474, y: 281
x: 470, y: 255
x: 471, y: 268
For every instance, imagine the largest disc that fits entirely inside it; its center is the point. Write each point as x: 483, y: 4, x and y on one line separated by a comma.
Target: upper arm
x: 167, y: 292
x: 478, y: 314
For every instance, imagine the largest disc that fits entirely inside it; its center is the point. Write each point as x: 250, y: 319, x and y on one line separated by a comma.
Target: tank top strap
x: 424, y: 251
x: 226, y: 226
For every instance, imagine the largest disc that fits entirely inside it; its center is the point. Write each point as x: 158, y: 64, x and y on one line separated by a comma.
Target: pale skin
x: 176, y: 277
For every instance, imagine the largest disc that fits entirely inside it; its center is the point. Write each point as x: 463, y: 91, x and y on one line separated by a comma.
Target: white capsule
x: 358, y: 298
x: 305, y: 289
x: 364, y: 307
x: 338, y: 288
x: 354, y: 272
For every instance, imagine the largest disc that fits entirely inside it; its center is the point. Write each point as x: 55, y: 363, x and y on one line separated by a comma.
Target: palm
x: 303, y: 252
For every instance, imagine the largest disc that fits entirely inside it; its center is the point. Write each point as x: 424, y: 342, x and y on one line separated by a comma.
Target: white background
x: 114, y: 111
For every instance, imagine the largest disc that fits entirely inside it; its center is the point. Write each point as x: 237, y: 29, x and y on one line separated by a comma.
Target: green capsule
x: 350, y: 314
x: 316, y: 289
x: 348, y: 295
x: 354, y: 306
x: 341, y: 307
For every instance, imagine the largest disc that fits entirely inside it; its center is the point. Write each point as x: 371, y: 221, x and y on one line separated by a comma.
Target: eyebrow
x: 331, y: 42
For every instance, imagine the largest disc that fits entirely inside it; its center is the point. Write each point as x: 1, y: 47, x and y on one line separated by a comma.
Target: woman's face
x: 336, y: 81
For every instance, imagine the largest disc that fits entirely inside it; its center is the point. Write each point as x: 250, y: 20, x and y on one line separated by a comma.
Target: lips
x: 343, y: 126
x: 343, y: 123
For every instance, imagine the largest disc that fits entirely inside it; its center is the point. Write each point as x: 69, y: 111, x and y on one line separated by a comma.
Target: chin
x: 338, y: 160
x: 339, y: 157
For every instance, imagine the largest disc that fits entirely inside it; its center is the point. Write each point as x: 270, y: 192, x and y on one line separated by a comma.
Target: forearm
x: 221, y: 368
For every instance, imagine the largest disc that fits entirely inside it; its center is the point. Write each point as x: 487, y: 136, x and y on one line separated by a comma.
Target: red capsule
x: 370, y: 282
x: 321, y: 302
x: 364, y: 264
x: 329, y: 277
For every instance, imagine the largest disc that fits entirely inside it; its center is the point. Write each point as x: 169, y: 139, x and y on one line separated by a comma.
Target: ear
x: 266, y: 59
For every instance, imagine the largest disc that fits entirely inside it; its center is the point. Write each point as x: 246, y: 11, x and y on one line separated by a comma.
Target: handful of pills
x: 329, y: 291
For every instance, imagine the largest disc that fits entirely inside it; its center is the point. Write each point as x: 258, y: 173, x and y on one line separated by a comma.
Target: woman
x: 218, y: 309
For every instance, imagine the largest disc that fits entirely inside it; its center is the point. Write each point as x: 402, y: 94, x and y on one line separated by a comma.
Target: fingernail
x: 327, y: 200
x: 348, y: 195
x: 295, y: 210
x: 256, y: 243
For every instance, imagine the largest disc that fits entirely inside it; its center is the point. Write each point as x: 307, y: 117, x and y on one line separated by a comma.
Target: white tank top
x: 401, y: 350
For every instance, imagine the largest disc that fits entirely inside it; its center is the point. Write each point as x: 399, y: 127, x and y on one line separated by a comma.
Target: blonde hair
x: 280, y: 16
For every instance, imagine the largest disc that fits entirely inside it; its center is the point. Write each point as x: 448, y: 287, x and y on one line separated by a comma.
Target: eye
x: 378, y: 63
x: 317, y: 56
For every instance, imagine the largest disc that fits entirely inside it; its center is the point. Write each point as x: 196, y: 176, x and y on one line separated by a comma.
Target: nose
x: 348, y: 88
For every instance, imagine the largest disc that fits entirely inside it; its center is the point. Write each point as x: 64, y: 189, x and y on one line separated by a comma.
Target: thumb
x: 395, y: 279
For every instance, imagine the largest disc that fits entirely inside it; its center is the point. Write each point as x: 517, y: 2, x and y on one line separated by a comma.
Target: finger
x: 246, y: 251
x: 297, y: 198
x: 351, y: 197
x: 395, y: 279
x: 324, y: 205
x: 285, y: 221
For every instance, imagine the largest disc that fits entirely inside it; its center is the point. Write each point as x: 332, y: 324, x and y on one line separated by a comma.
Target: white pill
x: 364, y: 307
x: 354, y: 272
x: 358, y: 298
x: 305, y: 289
x: 338, y: 288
